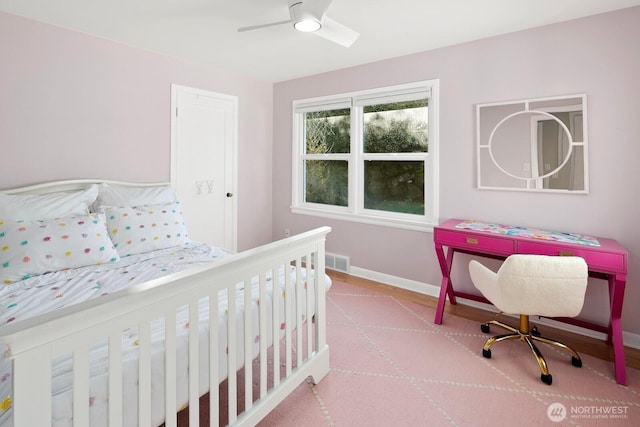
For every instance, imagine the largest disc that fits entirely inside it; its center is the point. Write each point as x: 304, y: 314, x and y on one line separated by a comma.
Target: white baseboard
x: 630, y: 339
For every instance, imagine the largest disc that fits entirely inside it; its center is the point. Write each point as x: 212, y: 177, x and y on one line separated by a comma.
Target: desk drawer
x: 596, y: 260
x: 475, y: 242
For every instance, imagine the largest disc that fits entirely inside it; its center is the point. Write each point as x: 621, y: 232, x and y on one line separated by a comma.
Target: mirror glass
x: 533, y: 145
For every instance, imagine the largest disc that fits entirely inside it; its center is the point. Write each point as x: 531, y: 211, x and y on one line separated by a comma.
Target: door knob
x: 229, y: 194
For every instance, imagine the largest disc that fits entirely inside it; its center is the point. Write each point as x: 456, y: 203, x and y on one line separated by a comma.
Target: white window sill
x: 406, y: 224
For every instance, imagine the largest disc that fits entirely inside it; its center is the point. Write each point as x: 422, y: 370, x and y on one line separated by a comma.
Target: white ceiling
x: 204, y: 31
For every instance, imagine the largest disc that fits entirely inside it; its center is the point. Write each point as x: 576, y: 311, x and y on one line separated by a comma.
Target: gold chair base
x: 528, y: 335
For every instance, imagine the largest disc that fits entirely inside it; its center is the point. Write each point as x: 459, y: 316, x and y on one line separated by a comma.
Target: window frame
x: 355, y: 210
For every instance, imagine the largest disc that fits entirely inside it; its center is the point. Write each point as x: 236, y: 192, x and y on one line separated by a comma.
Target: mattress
x: 41, y: 294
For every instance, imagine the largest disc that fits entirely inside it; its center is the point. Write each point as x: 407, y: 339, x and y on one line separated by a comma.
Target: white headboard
x: 73, y: 185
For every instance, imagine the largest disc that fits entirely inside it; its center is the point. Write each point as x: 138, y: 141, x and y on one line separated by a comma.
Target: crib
x: 265, y: 306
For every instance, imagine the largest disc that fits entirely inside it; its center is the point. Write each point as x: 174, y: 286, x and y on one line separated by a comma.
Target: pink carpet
x: 391, y: 366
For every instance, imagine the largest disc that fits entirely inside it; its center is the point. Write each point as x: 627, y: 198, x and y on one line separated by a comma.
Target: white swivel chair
x: 549, y: 286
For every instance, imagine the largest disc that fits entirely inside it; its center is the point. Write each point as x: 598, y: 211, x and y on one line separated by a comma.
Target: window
x: 369, y: 156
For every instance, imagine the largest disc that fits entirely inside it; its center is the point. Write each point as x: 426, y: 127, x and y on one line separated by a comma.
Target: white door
x: 203, y: 163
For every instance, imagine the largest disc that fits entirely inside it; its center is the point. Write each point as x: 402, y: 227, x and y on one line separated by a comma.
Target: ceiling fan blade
x: 337, y: 33
x: 255, y: 27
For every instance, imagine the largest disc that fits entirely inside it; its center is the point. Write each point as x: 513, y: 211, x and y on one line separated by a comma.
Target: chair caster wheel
x: 576, y: 362
x: 484, y: 328
x: 546, y: 379
x: 486, y: 353
x: 535, y: 332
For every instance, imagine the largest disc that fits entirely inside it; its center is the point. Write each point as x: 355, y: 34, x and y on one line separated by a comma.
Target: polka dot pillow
x: 31, y: 248
x: 140, y: 229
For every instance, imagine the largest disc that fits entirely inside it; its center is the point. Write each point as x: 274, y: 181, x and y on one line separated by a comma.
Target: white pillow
x: 31, y: 248
x: 34, y: 207
x: 139, y: 229
x: 119, y: 195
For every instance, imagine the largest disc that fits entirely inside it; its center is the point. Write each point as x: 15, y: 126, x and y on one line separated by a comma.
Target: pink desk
x: 605, y: 257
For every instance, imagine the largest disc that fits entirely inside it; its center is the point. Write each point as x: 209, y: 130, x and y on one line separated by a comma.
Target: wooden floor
x: 580, y: 343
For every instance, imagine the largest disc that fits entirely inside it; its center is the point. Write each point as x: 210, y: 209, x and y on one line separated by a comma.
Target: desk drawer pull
x: 565, y: 253
x: 472, y: 240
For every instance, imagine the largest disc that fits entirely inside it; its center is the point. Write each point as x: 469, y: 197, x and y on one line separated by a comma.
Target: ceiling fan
x: 309, y: 16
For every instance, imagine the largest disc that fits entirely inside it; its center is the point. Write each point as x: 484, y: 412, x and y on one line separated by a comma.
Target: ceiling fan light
x: 307, y: 25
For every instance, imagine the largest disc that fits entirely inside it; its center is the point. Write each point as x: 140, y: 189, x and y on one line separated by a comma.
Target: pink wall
x: 75, y: 106
x: 598, y: 55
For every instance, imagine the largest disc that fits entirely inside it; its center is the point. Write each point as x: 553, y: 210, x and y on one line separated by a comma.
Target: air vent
x: 336, y: 262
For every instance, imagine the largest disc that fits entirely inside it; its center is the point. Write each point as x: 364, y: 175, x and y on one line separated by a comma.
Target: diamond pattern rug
x: 392, y: 366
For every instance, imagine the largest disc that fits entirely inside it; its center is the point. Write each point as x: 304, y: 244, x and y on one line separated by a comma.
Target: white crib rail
x: 34, y: 343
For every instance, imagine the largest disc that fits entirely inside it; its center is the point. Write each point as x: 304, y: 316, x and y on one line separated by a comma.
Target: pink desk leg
x: 445, y: 286
x: 616, y: 296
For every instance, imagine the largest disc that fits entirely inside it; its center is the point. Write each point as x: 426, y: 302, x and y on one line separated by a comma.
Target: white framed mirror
x: 537, y: 144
